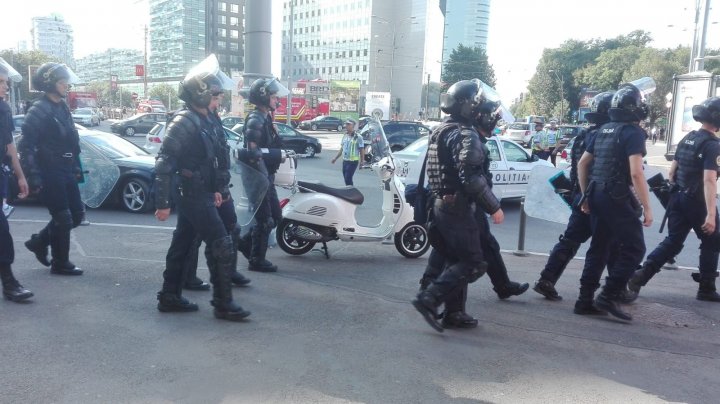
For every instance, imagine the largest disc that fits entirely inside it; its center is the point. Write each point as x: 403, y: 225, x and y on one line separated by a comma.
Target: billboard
x: 377, y: 104
x: 344, y: 98
x: 237, y: 104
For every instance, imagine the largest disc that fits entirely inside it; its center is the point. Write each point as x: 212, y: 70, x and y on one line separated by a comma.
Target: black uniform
x: 50, y: 149
x: 697, y: 151
x: 259, y: 129
x: 226, y: 211
x: 191, y: 154
x: 614, y: 209
x: 459, y: 178
x: 496, y: 269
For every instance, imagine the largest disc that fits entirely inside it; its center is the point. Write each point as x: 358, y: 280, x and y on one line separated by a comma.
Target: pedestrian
x: 579, y: 228
x: 458, y: 172
x: 352, y: 150
x: 50, y: 149
x: 262, y: 138
x: 12, y: 289
x: 692, y: 204
x: 654, y: 134
x: 617, y: 196
x: 454, y: 315
x: 188, y: 162
x: 226, y: 210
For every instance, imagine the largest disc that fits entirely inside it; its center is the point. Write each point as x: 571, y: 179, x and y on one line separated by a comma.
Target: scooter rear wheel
x: 288, y: 242
x: 412, y: 241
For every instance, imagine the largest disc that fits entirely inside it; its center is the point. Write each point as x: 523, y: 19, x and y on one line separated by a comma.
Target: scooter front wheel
x: 288, y: 242
x: 412, y: 241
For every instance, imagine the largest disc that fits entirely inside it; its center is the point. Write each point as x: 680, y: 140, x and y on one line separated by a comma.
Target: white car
x: 510, y: 165
x: 86, y: 117
x: 520, y: 132
x: 563, y: 159
x: 154, y: 139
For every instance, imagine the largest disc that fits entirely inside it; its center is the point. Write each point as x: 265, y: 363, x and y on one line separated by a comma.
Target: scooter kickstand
x: 325, y: 250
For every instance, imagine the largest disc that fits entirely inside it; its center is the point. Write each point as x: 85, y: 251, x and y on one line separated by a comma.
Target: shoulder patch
x: 717, y: 160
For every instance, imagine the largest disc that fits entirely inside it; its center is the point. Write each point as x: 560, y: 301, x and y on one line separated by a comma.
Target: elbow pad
x: 163, y: 180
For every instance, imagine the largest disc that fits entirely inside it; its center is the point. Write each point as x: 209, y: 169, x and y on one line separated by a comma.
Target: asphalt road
x: 336, y: 331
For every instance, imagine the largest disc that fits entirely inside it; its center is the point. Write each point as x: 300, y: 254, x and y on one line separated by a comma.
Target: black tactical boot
x: 12, y: 289
x: 707, y: 292
x: 639, y: 279
x: 610, y: 302
x: 257, y: 261
x: 427, y: 304
x: 459, y: 319
x: 67, y: 268
x: 584, y: 304
x: 220, y: 264
x: 511, y: 289
x: 239, y: 279
x: 244, y: 244
x: 262, y: 265
x: 38, y: 247
x: 547, y: 289
x: 196, y: 284
x: 174, y: 302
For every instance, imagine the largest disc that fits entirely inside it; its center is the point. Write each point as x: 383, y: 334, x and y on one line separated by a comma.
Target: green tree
x: 165, y: 92
x: 467, y: 63
x: 20, y: 62
x: 609, y: 68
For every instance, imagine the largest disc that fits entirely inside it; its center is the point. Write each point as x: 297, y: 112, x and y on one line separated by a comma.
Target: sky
x: 519, y: 29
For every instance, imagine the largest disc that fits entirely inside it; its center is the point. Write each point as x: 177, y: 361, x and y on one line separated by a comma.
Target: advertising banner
x: 377, y: 104
x: 344, y: 98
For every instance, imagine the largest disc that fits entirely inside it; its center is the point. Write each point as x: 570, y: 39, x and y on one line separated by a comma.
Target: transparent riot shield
x: 100, y: 175
x: 248, y: 190
x: 541, y: 201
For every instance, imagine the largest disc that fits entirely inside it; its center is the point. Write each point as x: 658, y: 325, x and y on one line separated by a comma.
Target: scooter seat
x: 350, y: 194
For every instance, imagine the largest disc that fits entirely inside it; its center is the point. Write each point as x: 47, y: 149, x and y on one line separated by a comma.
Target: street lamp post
x: 562, y: 95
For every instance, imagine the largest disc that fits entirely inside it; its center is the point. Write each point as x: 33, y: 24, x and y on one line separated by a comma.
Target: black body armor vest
x: 689, y: 176
x: 609, y: 165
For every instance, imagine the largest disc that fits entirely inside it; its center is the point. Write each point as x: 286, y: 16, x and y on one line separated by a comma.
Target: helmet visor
x: 646, y: 86
x: 72, y: 78
x: 275, y: 87
x: 12, y: 74
x: 490, y: 94
x: 210, y: 67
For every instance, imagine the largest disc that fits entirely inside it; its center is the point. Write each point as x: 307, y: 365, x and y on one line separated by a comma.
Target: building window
x: 223, y: 20
x: 222, y: 32
x: 235, y: 8
x: 364, y: 68
x: 234, y: 21
x: 222, y: 6
x: 365, y: 52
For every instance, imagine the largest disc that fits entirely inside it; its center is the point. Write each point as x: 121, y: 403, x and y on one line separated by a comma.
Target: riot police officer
x: 12, y: 289
x: 692, y: 204
x: 189, y: 154
x: 579, y: 228
x: 261, y: 136
x: 458, y: 177
x: 454, y: 315
x: 50, y: 149
x: 613, y: 187
x: 226, y: 208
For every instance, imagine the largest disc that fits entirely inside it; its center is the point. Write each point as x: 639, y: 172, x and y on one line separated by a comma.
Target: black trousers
x: 227, y: 214
x: 686, y: 213
x: 197, y: 216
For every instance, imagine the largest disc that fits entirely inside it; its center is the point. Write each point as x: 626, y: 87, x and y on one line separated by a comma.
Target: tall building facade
x: 387, y: 46
x: 101, y: 65
x: 52, y: 35
x: 183, y: 32
x: 466, y: 22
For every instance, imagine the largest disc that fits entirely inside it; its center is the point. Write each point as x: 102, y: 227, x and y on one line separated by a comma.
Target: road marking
x: 129, y: 226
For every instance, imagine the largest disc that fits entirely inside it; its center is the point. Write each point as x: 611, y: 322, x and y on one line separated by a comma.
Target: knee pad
x: 62, y: 220
x: 477, y: 271
x: 222, y: 249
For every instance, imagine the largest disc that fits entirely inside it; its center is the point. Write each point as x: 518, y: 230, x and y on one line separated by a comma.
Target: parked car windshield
x: 157, y: 128
x: 83, y: 111
x: 113, y: 147
x: 520, y: 126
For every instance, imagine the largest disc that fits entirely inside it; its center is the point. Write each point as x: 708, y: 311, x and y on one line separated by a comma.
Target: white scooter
x: 315, y: 213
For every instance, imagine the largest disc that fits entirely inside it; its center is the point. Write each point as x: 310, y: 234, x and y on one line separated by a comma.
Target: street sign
x: 139, y: 70
x: 113, y: 82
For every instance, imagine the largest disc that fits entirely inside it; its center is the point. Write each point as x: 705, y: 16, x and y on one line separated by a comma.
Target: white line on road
x: 129, y: 226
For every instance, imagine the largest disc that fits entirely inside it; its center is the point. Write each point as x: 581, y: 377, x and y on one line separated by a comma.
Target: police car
x: 510, y: 165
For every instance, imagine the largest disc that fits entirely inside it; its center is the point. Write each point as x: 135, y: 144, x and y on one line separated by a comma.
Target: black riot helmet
x: 628, y: 103
x: 708, y: 112
x: 48, y: 75
x: 463, y: 99
x: 204, y: 81
x: 488, y: 116
x: 599, y: 106
x: 262, y: 89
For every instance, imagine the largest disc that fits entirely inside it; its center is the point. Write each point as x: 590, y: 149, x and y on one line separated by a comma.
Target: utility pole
x: 693, y: 49
x: 145, y: 70
x: 427, y: 98
x: 112, y: 95
x: 288, y: 105
x: 701, y: 52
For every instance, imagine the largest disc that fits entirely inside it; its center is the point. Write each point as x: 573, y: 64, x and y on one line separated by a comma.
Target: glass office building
x: 99, y: 66
x: 387, y: 46
x: 52, y: 35
x: 466, y: 22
